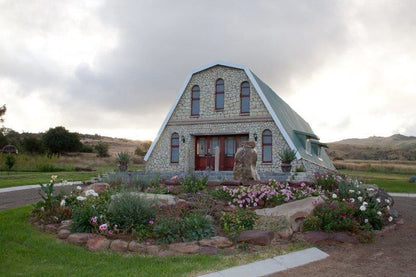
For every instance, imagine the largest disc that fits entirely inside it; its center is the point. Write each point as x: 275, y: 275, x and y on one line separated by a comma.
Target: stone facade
x: 228, y: 121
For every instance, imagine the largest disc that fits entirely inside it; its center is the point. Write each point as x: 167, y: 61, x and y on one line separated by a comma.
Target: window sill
x: 267, y: 162
x: 219, y: 110
x: 194, y: 115
x: 244, y: 114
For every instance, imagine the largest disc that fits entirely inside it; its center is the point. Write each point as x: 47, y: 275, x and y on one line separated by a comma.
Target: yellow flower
x: 53, y: 178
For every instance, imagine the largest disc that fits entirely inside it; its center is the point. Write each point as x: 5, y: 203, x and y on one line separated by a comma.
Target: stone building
x: 222, y: 105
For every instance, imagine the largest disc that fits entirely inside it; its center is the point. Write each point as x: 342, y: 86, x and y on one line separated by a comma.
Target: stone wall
x: 218, y: 122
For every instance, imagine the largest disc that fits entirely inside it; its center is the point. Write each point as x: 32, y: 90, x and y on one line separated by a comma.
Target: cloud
x: 118, y: 65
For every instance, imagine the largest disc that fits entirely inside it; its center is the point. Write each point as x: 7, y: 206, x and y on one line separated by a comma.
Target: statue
x: 245, y: 162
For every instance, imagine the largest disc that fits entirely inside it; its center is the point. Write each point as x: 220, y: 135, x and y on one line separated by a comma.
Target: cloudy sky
x: 115, y: 67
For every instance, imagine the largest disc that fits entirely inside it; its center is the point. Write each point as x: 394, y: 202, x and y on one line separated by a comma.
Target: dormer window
x: 245, y: 98
x: 308, y: 146
x: 219, y: 94
x: 195, y: 100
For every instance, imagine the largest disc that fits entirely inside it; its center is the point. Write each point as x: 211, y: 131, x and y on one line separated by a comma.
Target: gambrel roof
x: 292, y: 126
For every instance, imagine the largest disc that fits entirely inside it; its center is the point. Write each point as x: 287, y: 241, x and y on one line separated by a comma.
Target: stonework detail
x: 212, y: 122
x: 245, y: 162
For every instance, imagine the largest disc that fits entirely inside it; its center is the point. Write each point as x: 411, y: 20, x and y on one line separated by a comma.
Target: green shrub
x: 10, y: 161
x: 188, y: 228
x: 337, y: 216
x: 85, y: 210
x: 192, y: 183
x: 287, y: 155
x: 102, y: 149
x: 326, y: 181
x: 33, y: 145
x: 236, y: 222
x: 312, y: 223
x: 221, y: 193
x: 130, y: 211
x: 58, y: 140
x: 196, y: 227
x: 123, y: 159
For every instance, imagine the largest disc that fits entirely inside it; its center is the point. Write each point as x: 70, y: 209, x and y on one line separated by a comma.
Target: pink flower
x: 42, y: 209
x: 151, y: 222
x: 94, y: 219
x: 366, y: 220
x: 103, y: 227
x: 110, y: 232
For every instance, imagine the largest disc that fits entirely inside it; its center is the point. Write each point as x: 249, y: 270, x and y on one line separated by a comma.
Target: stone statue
x: 245, y: 162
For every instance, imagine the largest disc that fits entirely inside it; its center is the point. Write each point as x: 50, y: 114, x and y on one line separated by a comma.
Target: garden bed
x: 185, y: 216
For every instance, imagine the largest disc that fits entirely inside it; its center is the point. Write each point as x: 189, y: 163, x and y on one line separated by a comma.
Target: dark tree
x: 2, y: 112
x: 33, y: 145
x: 59, y: 140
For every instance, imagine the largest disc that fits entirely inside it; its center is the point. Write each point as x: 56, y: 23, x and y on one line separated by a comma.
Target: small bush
x: 188, y: 228
x: 123, y: 159
x: 192, y: 183
x: 236, y: 222
x: 84, y: 211
x: 102, y: 149
x: 10, y: 161
x: 326, y: 181
x: 336, y: 216
x: 312, y: 223
x: 130, y: 211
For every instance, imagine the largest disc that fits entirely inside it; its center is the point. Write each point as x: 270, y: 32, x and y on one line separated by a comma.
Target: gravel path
x: 392, y: 254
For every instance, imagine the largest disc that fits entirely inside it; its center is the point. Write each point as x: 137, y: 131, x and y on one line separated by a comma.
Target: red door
x: 205, y: 151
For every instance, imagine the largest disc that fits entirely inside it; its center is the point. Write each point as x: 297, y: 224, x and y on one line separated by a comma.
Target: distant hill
x: 396, y: 147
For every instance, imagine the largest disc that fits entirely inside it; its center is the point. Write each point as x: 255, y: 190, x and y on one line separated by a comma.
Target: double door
x: 205, y: 151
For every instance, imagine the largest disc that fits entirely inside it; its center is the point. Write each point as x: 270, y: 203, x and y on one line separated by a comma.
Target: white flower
x: 366, y: 220
x: 63, y: 202
x: 387, y: 201
x: 351, y: 191
x: 365, y: 203
x: 390, y: 219
x: 388, y: 207
x: 352, y: 200
x: 370, y: 189
x: 360, y: 198
x: 334, y: 196
x: 91, y: 192
x: 362, y: 208
x: 81, y: 198
x: 79, y: 188
x: 378, y: 200
x: 358, y: 192
x: 379, y: 213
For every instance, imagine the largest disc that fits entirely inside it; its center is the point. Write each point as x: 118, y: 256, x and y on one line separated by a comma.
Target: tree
x: 102, y: 149
x: 33, y: 145
x: 10, y: 161
x: 58, y: 140
x: 2, y: 112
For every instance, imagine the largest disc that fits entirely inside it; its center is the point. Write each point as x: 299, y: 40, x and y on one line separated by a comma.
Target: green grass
x: 25, y: 251
x: 391, y: 182
x: 11, y: 179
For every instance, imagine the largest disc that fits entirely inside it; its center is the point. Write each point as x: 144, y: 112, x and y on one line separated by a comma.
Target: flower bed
x: 189, y: 213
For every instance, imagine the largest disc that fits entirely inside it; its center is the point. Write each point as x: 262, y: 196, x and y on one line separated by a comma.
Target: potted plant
x: 123, y: 159
x: 287, y: 156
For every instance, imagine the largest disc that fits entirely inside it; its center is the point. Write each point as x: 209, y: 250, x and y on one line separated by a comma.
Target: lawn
x: 28, y: 252
x: 391, y: 182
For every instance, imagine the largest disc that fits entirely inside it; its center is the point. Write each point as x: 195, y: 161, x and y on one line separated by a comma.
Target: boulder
x: 208, y: 250
x: 152, y: 249
x: 412, y: 179
x: 52, y: 228
x: 65, y: 224
x: 294, y: 212
x: 257, y: 237
x: 316, y: 237
x: 63, y: 234
x: 159, y: 199
x: 99, y: 243
x: 165, y: 253
x: 345, y: 238
x: 285, y: 233
x: 137, y: 247
x: 78, y: 238
x: 119, y: 245
x: 245, y: 161
x: 97, y: 187
x: 375, y: 192
x: 184, y: 247
x: 217, y: 242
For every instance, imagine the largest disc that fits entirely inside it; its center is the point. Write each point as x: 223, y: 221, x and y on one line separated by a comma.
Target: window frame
x: 194, y: 90
x: 218, y: 92
x: 244, y: 96
x: 263, y: 144
x: 174, y: 146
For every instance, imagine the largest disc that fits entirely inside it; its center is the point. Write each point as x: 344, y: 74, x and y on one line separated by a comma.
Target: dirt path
x: 392, y: 254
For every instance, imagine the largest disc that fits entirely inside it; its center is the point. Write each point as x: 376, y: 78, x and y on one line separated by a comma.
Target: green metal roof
x: 295, y: 126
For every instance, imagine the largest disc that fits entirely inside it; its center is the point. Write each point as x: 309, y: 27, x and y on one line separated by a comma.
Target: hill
x: 395, y: 147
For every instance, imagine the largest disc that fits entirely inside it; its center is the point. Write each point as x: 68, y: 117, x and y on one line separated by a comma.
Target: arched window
x: 266, y: 145
x: 174, y: 148
x: 219, y: 94
x: 245, y: 97
x: 195, y: 100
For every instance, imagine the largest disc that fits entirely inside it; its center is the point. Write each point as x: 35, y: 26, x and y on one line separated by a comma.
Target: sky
x: 115, y: 68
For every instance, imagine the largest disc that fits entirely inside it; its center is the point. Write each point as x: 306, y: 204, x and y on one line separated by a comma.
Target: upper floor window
x: 267, y: 146
x: 219, y: 94
x: 245, y: 97
x: 174, y: 148
x: 195, y: 100
x: 308, y: 146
